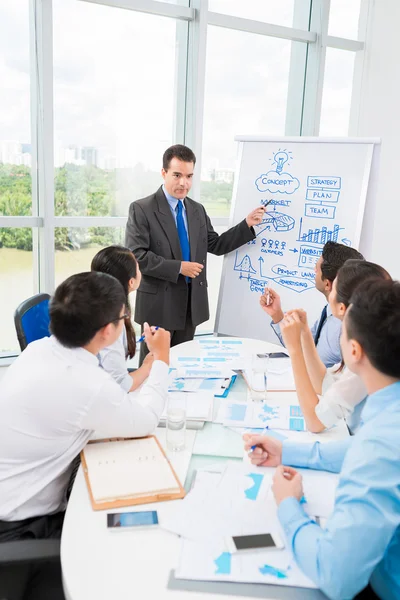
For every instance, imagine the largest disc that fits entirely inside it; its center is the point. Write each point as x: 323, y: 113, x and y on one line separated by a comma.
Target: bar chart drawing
x: 318, y: 235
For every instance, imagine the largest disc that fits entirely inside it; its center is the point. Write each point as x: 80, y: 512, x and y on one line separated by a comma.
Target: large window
x: 245, y: 95
x: 114, y: 98
x: 337, y: 92
x: 16, y: 266
x: 279, y: 13
x: 105, y: 90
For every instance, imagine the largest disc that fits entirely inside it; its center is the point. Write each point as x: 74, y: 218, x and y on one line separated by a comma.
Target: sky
x: 115, y: 78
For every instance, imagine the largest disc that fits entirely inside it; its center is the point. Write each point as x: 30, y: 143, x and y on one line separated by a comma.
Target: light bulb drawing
x: 280, y: 158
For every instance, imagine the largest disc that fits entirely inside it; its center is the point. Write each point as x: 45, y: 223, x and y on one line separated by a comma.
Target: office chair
x: 32, y: 319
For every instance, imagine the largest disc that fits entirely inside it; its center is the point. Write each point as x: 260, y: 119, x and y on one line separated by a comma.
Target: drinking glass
x: 176, y: 421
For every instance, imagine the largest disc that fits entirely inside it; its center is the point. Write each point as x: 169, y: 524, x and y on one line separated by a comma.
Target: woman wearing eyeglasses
x: 121, y: 263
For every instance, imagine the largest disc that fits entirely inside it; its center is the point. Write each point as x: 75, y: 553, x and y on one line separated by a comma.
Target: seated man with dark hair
x: 326, y: 330
x: 360, y: 545
x: 55, y: 396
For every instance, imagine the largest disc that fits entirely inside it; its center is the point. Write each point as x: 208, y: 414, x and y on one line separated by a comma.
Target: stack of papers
x: 279, y: 375
x: 239, y: 501
x: 212, y: 381
x: 199, y: 407
x: 217, y: 353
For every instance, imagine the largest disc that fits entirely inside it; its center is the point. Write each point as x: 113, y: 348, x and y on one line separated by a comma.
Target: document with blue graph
x: 238, y: 502
x: 262, y: 414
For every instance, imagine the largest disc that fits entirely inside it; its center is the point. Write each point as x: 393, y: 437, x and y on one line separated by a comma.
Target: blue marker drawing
x: 223, y: 564
x: 269, y: 570
x: 236, y: 412
x: 309, y: 256
x: 295, y: 411
x: 346, y: 242
x: 319, y: 211
x: 322, y: 195
x: 324, y: 182
x: 275, y: 220
x: 252, y: 492
x: 319, y: 235
x: 278, y: 182
x: 244, y: 266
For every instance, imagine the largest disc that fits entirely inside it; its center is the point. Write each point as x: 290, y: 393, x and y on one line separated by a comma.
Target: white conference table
x: 100, y: 564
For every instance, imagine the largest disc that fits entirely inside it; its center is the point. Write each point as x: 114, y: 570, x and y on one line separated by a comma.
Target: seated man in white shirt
x: 55, y: 396
x: 326, y: 330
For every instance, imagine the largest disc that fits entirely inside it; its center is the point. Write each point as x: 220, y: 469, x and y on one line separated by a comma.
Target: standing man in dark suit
x: 170, y: 235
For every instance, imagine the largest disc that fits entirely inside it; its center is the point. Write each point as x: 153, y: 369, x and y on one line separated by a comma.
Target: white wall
x: 379, y: 116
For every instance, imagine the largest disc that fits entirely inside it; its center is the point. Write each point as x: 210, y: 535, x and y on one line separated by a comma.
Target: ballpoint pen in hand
x: 142, y: 337
x: 262, y: 433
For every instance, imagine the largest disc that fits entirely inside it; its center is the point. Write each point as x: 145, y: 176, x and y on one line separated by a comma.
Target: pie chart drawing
x: 279, y: 221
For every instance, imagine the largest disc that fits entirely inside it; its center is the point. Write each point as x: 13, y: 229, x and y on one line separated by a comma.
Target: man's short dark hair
x: 373, y: 320
x: 334, y: 256
x: 82, y: 305
x: 178, y: 151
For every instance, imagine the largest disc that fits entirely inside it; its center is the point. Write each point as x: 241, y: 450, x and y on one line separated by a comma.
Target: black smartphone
x: 273, y: 355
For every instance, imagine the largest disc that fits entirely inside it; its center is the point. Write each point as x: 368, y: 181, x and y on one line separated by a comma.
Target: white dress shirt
x: 342, y: 392
x: 113, y: 360
x: 52, y: 399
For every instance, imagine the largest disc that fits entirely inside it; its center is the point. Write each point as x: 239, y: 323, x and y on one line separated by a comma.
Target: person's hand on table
x: 268, y: 451
x: 287, y: 483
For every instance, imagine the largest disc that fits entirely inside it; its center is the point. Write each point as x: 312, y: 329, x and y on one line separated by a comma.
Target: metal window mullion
x: 315, y: 69
x: 33, y: 222
x: 196, y: 74
x: 85, y: 222
x: 42, y: 75
x: 259, y: 27
x: 180, y: 85
x: 162, y: 9
x: 298, y: 61
x: 360, y: 66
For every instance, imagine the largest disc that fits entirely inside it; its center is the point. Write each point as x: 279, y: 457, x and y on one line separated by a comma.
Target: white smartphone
x: 127, y: 520
x: 253, y: 543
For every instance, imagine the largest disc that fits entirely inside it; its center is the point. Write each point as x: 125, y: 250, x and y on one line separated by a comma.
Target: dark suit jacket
x: 152, y: 236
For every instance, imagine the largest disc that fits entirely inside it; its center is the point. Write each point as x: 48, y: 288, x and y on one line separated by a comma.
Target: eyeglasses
x: 124, y: 316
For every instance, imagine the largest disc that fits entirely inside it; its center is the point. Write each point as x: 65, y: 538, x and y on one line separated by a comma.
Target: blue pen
x: 142, y: 337
x: 262, y: 433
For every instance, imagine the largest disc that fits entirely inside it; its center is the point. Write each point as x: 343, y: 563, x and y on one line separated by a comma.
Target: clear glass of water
x: 259, y: 377
x: 176, y: 421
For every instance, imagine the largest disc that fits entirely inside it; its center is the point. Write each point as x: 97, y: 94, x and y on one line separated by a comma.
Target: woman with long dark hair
x: 121, y: 263
x: 328, y: 395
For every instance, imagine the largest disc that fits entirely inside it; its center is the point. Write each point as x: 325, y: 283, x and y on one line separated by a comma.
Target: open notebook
x: 128, y: 471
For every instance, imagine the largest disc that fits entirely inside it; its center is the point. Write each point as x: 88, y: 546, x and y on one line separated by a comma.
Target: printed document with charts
x: 239, y: 501
x: 128, y: 471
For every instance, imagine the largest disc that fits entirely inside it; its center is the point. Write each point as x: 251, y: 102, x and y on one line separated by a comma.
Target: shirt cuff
x: 326, y: 414
x: 180, y: 270
x: 292, y: 517
x: 296, y: 454
x: 159, y: 371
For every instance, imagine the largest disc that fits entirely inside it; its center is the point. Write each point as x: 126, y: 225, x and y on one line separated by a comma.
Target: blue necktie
x: 182, y: 234
x: 321, y: 324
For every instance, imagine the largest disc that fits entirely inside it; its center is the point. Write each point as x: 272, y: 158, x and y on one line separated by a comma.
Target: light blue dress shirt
x: 328, y: 345
x: 173, y: 203
x: 361, y: 541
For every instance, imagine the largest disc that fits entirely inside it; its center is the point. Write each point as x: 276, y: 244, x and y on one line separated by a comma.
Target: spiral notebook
x: 126, y: 472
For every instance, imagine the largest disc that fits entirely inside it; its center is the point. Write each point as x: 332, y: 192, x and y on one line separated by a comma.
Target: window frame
x: 306, y: 80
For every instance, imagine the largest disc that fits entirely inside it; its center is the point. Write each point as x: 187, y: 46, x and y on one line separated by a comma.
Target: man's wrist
x: 277, y: 317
